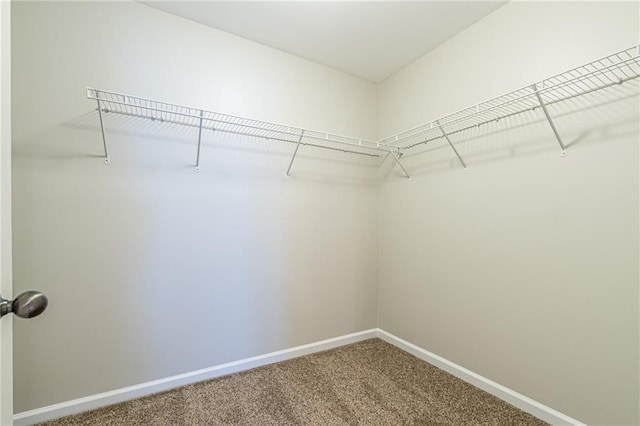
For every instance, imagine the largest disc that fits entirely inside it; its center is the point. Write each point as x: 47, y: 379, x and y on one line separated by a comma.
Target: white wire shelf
x: 612, y: 70
x: 134, y: 106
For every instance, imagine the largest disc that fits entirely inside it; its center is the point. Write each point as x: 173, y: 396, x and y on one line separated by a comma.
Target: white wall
x: 526, y: 269
x: 151, y: 268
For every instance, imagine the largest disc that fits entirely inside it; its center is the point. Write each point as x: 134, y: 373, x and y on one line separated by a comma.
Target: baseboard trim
x: 136, y: 391
x: 79, y: 405
x: 514, y: 398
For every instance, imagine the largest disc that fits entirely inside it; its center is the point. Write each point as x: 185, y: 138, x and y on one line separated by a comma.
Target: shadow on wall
x: 332, y: 166
x: 139, y: 142
x: 589, y: 118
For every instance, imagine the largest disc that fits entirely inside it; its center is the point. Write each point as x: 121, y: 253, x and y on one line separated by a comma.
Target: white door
x: 6, y: 339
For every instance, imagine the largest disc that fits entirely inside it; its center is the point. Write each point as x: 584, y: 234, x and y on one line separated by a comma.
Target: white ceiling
x: 371, y: 40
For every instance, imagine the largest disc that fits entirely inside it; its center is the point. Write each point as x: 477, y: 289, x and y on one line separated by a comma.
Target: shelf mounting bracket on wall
x: 551, y: 123
x: 446, y: 137
x: 295, y: 153
x: 397, y: 160
x: 104, y: 139
x: 199, y: 141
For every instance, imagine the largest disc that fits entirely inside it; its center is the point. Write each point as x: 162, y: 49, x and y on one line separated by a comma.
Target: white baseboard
x: 130, y: 392
x: 514, y: 398
x: 79, y: 405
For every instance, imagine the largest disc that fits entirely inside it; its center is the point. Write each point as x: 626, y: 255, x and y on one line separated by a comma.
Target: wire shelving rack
x: 134, y: 106
x: 612, y: 70
x: 615, y: 69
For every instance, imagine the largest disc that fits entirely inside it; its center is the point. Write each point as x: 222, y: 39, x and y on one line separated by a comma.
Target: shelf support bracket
x: 295, y: 153
x: 551, y: 123
x: 104, y: 139
x: 385, y: 158
x: 397, y: 160
x: 446, y: 137
x: 199, y: 142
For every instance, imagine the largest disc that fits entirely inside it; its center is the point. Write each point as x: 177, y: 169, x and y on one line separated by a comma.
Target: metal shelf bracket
x: 397, y: 160
x: 551, y: 123
x: 199, y: 142
x: 104, y: 139
x: 446, y: 137
x: 295, y: 153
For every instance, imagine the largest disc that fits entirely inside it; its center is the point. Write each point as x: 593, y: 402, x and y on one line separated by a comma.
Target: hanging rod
x: 612, y: 70
x: 133, y: 106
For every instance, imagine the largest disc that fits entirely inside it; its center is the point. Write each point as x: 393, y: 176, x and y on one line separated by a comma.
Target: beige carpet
x: 366, y: 383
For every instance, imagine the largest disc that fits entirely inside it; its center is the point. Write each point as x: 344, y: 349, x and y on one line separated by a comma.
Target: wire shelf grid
x: 134, y: 106
x: 613, y: 70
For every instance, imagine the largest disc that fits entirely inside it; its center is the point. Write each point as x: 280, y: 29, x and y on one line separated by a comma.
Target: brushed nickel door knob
x: 27, y: 305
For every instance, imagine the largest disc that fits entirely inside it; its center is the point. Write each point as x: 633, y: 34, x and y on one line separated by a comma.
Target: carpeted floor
x: 366, y: 383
